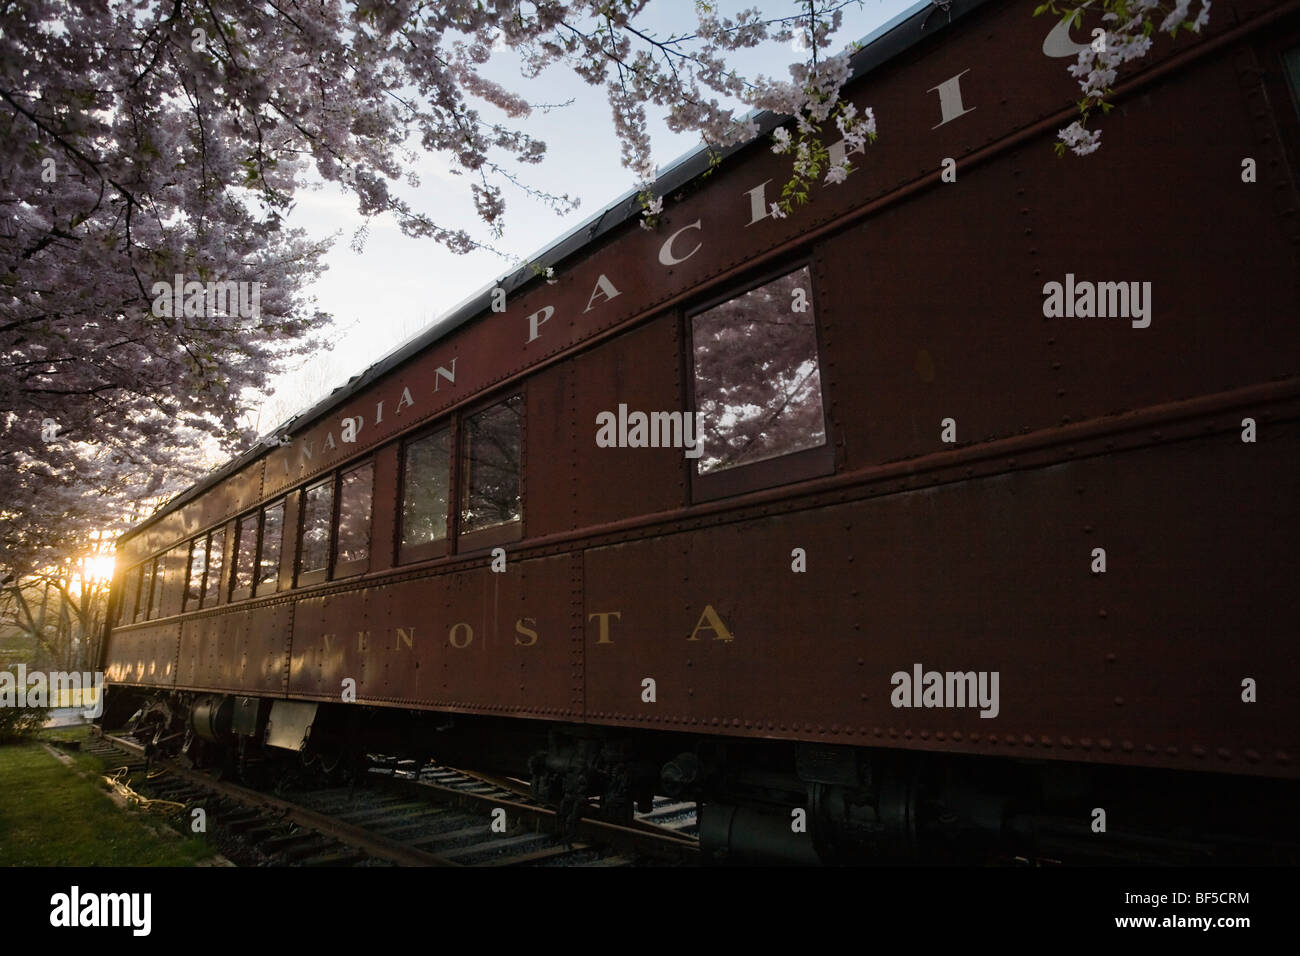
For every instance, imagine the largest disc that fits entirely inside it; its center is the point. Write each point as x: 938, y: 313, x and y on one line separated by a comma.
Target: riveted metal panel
x: 638, y: 369
x: 319, y: 659
x: 143, y: 655
x: 242, y: 650
x: 175, y: 526
x: 238, y: 493
x: 955, y: 328
x: 471, y: 640
x: 1142, y: 664
x: 552, y: 451
x: 218, y: 665
x: 194, y: 650
x: 923, y: 337
x: 510, y: 670
x: 1222, y: 315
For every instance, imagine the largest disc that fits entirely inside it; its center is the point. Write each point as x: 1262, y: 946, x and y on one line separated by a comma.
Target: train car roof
x: 918, y: 23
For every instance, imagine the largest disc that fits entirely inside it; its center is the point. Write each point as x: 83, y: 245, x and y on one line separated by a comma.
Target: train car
x: 952, y: 516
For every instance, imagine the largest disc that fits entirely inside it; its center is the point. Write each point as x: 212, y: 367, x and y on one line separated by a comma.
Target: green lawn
x: 50, y: 815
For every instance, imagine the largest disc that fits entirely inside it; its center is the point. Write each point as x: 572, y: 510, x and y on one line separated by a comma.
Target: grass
x: 51, y: 815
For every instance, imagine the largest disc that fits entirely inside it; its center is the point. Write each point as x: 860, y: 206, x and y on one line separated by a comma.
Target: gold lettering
x: 361, y: 640
x: 720, y: 632
x: 604, y: 624
x: 522, y: 628
x: 403, y: 635
x: 451, y: 635
x: 329, y: 641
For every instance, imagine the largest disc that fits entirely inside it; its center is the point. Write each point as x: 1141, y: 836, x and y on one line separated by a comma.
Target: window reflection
x: 175, y: 585
x: 155, y: 587
x: 757, y: 381
x: 493, y: 449
x: 268, y: 574
x: 216, y: 556
x: 356, y: 490
x: 198, y: 565
x: 426, y: 489
x: 317, y: 505
x: 133, y: 594
x: 245, y: 553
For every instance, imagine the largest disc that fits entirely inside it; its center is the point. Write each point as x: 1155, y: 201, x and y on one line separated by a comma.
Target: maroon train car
x: 987, y: 546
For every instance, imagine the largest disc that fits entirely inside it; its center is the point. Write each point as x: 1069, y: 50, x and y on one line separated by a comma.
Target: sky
x: 395, y: 287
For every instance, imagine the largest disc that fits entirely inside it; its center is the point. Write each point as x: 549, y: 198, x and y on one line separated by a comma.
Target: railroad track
x: 665, y: 814
x: 404, y: 815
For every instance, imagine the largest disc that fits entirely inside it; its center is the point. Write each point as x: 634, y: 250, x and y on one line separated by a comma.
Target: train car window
x: 1279, y: 53
x: 757, y: 388
x: 155, y: 589
x: 757, y: 379
x: 268, y: 563
x: 174, y: 579
x: 245, y: 569
x: 139, y: 603
x: 216, y: 557
x: 314, y: 551
x: 426, y: 496
x: 492, y: 455
x: 130, y: 595
x: 124, y: 599
x: 1291, y: 67
x: 198, y: 566
x: 352, y: 548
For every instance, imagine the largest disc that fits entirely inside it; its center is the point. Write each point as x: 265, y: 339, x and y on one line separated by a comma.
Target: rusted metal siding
x: 472, y: 640
x: 573, y: 483
x: 144, y: 655
x: 552, y: 450
x: 244, y: 650
x: 233, y: 496
x: 1142, y: 664
x: 935, y: 306
x: 177, y: 525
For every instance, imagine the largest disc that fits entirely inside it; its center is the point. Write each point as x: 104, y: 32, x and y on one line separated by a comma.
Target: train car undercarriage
x: 759, y: 801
